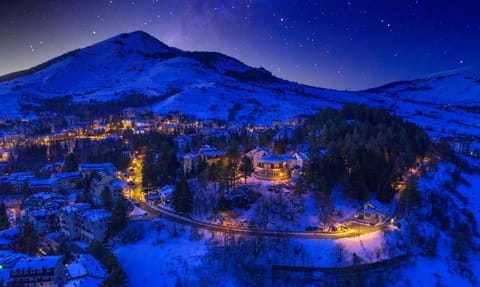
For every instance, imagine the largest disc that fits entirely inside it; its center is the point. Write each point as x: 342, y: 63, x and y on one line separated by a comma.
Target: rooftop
x: 276, y: 158
x: 95, y: 214
x: 38, y: 262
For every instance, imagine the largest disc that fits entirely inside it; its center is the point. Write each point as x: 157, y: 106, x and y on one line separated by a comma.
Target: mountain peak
x: 138, y: 40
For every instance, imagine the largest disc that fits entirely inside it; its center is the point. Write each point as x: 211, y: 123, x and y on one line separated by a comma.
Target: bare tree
x: 264, y: 213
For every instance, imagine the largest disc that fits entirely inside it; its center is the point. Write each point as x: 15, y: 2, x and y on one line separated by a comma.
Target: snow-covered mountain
x: 448, y: 88
x: 206, y: 84
x: 212, y: 85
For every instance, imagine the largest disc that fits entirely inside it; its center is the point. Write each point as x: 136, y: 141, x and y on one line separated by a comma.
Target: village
x: 74, y: 201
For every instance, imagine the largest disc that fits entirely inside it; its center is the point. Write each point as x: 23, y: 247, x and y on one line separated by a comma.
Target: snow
x: 442, y: 268
x: 472, y: 193
x: 430, y: 272
x: 84, y: 282
x: 117, y: 67
x: 137, y: 211
x: 157, y: 259
x: 76, y: 270
x: 166, y: 258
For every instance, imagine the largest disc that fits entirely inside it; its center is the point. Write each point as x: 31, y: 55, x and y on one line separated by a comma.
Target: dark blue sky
x: 334, y: 44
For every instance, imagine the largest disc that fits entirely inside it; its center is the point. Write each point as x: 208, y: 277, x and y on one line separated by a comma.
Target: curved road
x: 172, y: 216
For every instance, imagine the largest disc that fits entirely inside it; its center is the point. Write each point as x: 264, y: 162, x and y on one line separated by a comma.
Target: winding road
x: 353, y: 230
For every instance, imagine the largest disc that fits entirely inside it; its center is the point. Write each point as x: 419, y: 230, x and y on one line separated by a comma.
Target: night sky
x: 333, y: 44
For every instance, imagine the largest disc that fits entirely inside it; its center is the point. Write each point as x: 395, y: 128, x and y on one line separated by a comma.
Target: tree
x: 410, y: 196
x: 119, y: 217
x: 231, y: 173
x: 246, y: 167
x: 116, y: 276
x: 107, y: 198
x: 182, y: 197
x: 300, y: 186
x: 27, y: 241
x: 71, y: 162
x: 4, y: 223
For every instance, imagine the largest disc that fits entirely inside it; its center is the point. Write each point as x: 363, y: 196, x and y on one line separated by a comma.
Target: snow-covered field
x: 170, y: 253
x: 166, y: 253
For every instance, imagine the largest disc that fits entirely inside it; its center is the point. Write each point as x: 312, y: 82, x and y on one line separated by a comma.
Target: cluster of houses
x: 53, y: 211
x: 21, y: 270
x: 461, y: 144
x: 52, y: 208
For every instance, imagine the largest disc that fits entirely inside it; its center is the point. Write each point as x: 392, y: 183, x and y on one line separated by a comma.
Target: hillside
x: 207, y: 84
x: 211, y: 85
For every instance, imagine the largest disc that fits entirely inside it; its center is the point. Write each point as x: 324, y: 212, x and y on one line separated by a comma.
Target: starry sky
x: 352, y: 45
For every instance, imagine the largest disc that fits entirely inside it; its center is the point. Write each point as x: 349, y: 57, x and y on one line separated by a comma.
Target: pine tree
x: 182, y: 197
x: 410, y: 196
x: 27, y: 241
x: 246, y: 167
x: 71, y: 162
x: 107, y: 198
x: 119, y: 217
x: 4, y: 223
x: 231, y: 173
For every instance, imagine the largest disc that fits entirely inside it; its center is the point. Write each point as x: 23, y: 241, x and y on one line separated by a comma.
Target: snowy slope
x: 206, y: 83
x: 448, y: 88
x: 210, y: 85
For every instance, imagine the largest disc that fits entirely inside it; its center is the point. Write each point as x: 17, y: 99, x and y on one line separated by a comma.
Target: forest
x: 362, y: 149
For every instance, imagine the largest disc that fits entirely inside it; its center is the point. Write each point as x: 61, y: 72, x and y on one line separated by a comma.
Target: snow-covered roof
x: 76, y: 207
x: 376, y: 205
x: 96, y: 214
x: 190, y: 156
x: 10, y: 233
x: 374, y: 211
x: 96, y: 166
x: 257, y: 151
x: 276, y: 158
x: 66, y: 175
x: 76, y: 269
x: 300, y: 155
x: 84, y: 282
x: 38, y: 262
x: 35, y: 182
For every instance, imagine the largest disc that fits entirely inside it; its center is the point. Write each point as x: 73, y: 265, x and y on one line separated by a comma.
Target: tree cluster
x: 160, y: 163
x: 182, y: 197
x: 363, y: 149
x: 116, y: 275
x: 119, y: 218
x: 27, y: 241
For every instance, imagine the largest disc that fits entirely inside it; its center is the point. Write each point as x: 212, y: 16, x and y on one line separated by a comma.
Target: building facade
x: 44, y: 271
x: 81, y: 222
x: 273, y: 167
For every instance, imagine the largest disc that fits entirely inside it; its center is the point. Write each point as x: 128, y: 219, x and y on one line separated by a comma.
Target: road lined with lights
x: 173, y: 216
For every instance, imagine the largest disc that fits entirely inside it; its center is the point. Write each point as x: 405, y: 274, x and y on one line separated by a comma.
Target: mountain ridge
x: 208, y: 85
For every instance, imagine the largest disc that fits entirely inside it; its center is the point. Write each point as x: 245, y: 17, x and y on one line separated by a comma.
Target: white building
x: 80, y: 221
x: 45, y: 271
x: 256, y: 154
x: 273, y: 167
